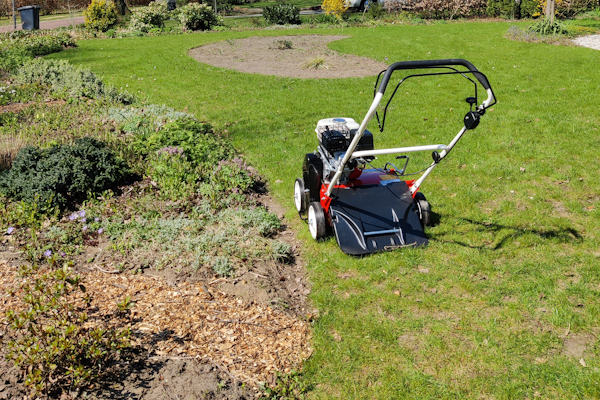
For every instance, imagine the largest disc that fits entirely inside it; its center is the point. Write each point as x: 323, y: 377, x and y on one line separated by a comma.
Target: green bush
x: 66, y: 80
x: 152, y: 16
x: 100, y: 15
x: 508, y: 8
x: 63, y: 176
x: 282, y: 14
x: 197, y: 17
x: 18, y: 47
x: 50, y: 341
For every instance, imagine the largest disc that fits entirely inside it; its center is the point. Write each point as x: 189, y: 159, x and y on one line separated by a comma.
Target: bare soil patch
x: 305, y: 56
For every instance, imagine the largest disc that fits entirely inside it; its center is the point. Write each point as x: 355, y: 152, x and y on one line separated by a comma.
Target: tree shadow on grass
x: 561, y: 234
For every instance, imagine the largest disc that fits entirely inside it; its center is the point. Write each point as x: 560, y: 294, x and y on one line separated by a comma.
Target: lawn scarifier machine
x: 376, y: 209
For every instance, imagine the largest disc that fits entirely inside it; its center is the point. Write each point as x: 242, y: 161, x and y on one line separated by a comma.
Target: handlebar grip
x: 432, y: 64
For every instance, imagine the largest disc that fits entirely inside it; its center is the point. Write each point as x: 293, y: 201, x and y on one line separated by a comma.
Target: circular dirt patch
x: 305, y: 56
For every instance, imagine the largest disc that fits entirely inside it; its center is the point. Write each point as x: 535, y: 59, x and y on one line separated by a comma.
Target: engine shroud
x: 335, y: 135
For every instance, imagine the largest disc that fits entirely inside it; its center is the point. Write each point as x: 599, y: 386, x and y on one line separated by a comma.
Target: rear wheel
x: 316, y: 220
x: 299, y: 196
x: 423, y: 209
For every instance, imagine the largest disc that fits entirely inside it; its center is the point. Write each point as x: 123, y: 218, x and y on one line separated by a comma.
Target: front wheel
x: 299, y: 196
x: 423, y: 209
x: 316, y: 220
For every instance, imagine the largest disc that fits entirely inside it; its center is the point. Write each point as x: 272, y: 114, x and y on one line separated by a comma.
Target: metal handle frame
x: 423, y: 64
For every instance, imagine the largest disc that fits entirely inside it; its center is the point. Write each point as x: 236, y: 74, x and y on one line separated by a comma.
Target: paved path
x: 56, y: 23
x: 591, y: 41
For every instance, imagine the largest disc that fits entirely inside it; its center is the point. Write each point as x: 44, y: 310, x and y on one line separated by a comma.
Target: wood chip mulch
x: 249, y: 341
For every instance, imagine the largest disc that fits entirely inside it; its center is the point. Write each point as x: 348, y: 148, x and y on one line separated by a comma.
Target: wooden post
x: 14, y: 16
x: 550, y: 5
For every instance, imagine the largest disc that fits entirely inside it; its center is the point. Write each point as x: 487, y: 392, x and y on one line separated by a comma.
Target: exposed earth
x: 304, y: 56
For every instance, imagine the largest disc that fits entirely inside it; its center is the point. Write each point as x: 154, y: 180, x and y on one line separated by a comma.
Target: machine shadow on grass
x: 563, y: 235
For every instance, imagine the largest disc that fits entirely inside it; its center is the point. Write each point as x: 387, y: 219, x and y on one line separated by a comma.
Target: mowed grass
x: 504, y: 302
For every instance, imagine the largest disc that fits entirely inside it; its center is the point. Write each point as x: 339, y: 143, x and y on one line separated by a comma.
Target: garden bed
x: 183, y: 257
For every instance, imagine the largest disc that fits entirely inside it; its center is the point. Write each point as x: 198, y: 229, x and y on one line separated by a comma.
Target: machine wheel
x: 424, y: 209
x: 316, y: 221
x: 300, y: 196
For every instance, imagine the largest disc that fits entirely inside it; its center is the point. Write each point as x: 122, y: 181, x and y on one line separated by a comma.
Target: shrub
x: 152, y: 16
x: 335, y: 7
x: 446, y: 8
x: 197, y: 17
x: 570, y: 8
x: 282, y: 14
x: 375, y: 11
x: 64, y: 79
x: 512, y: 9
x: 100, y: 15
x: 51, y: 342
x: 63, y: 176
x: 18, y: 47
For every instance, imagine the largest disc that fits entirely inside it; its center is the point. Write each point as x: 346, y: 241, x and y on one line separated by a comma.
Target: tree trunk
x: 122, y: 7
x: 517, y: 9
x: 550, y: 5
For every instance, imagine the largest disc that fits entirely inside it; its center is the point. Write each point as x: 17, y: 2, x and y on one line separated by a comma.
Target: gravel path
x: 46, y: 24
x: 591, y: 41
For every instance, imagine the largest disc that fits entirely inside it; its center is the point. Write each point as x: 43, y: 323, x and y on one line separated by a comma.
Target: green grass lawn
x: 496, y: 305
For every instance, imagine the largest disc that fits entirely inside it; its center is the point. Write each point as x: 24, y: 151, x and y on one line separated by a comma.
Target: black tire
x: 423, y: 209
x: 316, y: 221
x: 300, y: 198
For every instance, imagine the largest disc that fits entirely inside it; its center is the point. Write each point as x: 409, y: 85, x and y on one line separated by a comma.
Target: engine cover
x: 335, y: 135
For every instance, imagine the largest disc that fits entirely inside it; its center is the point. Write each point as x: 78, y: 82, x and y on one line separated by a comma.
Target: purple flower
x: 85, y: 228
x: 47, y: 253
x: 84, y: 220
x: 10, y: 230
x: 81, y: 213
x: 73, y: 217
x: 100, y: 231
x: 63, y: 254
x: 97, y: 219
x: 171, y: 150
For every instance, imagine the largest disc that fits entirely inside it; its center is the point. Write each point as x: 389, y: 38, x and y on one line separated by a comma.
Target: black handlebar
x: 432, y: 64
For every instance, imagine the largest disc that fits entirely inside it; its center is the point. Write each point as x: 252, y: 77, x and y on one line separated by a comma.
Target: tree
x: 122, y: 7
x: 550, y: 6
